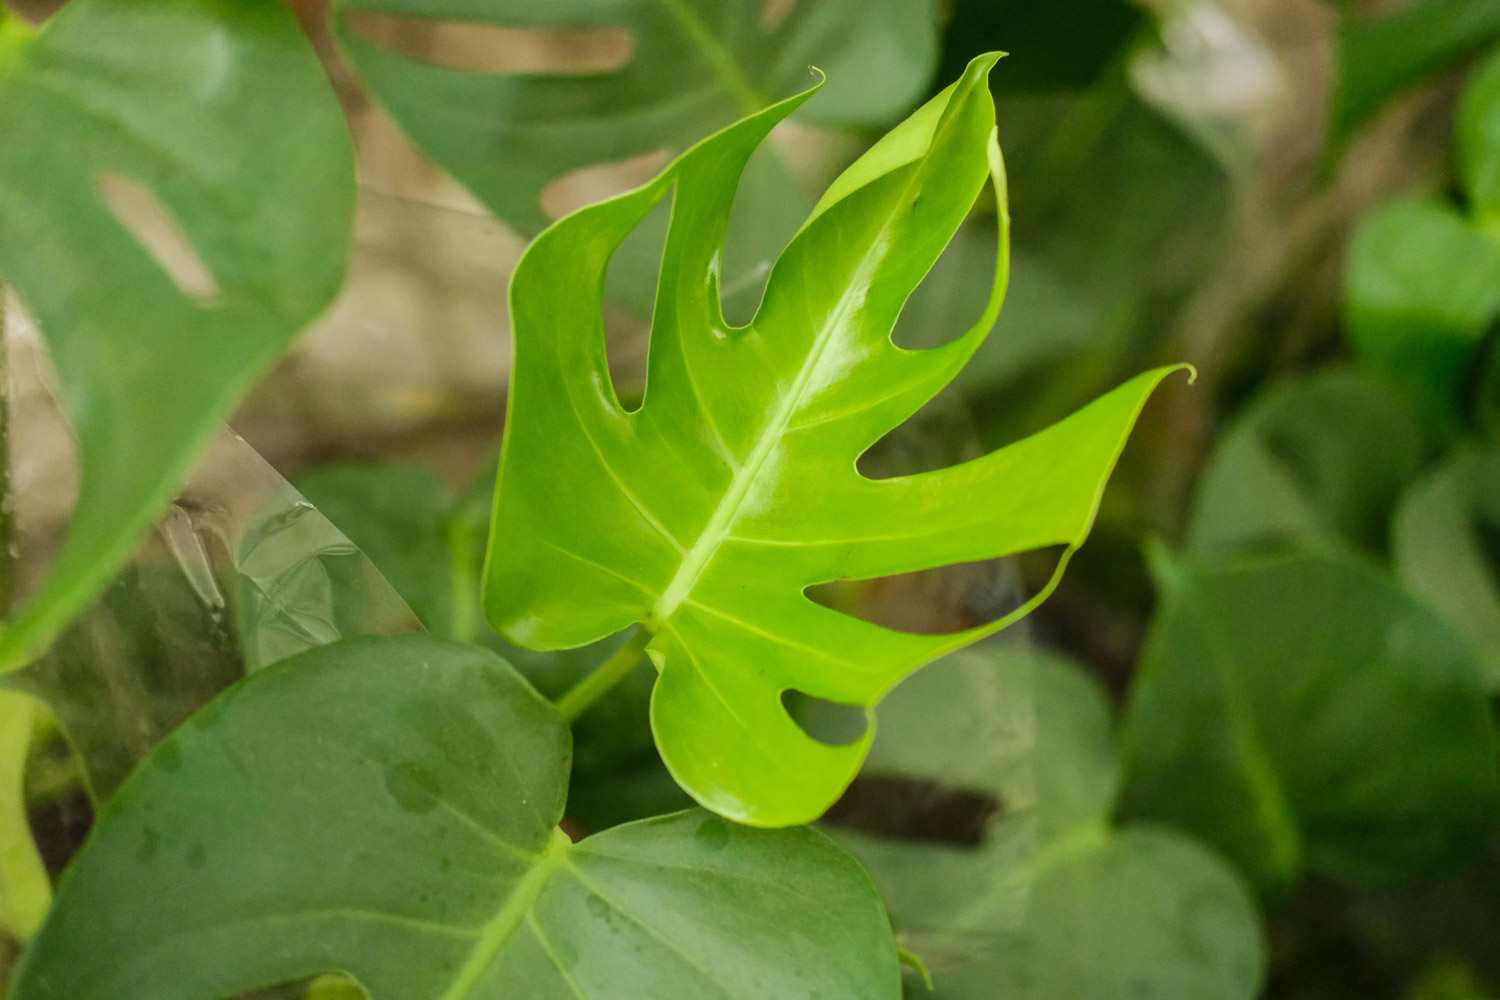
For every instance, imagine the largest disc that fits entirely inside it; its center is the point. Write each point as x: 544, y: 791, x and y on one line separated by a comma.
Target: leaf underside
x: 387, y: 808
x: 706, y: 513
x: 222, y: 114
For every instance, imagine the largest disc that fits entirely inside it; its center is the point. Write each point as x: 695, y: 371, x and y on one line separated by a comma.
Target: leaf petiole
x: 581, y: 697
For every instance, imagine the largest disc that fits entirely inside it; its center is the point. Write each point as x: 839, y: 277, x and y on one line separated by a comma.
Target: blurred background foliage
x: 1247, y: 750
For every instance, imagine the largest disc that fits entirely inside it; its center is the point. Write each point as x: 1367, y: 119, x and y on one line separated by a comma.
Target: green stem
x: 464, y: 624
x: 611, y: 672
x: 7, y: 512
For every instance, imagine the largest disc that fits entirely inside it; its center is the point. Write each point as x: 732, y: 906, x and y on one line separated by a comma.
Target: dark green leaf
x: 706, y: 513
x: 1054, y: 904
x: 1447, y: 548
x: 1421, y: 287
x: 388, y: 808
x: 1304, y: 712
x: 1138, y: 914
x: 206, y: 125
x: 694, y: 66
x: 1315, y: 462
x: 1382, y: 56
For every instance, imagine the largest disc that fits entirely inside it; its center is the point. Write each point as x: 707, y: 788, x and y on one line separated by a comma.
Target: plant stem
x: 7, y: 508
x: 581, y: 697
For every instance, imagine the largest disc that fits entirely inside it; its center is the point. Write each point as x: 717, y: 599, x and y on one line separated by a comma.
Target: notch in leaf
x: 707, y: 513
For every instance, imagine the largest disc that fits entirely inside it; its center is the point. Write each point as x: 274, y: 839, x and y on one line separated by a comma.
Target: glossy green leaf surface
x: 387, y: 808
x: 707, y: 512
x: 1079, y: 908
x: 212, y: 126
x: 1380, y: 56
x: 1421, y: 287
x: 693, y: 66
x: 1446, y: 546
x: 1306, y: 713
x: 1315, y: 462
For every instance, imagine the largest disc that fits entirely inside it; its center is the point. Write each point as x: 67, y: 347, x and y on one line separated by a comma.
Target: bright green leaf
x: 707, y: 512
x: 1381, y: 56
x: 1315, y: 462
x: 25, y: 889
x: 1078, y: 909
x: 1447, y: 548
x: 1478, y: 141
x: 388, y: 808
x: 1421, y: 287
x: 207, y: 133
x: 1304, y: 712
x: 694, y: 66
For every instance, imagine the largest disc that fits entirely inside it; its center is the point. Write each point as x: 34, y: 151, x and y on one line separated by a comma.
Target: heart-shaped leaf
x: 388, y: 808
x: 1055, y: 902
x: 706, y: 513
x: 693, y: 66
x: 1306, y: 713
x: 176, y: 192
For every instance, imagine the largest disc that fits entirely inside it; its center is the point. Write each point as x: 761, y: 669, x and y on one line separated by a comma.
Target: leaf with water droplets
x: 388, y: 808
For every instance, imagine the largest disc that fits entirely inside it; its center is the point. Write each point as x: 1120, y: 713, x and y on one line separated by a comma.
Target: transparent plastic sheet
x: 240, y: 571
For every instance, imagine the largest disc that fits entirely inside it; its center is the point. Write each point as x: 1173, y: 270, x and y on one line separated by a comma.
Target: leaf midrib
x: 494, y: 936
x: 731, y: 78
x: 697, y: 558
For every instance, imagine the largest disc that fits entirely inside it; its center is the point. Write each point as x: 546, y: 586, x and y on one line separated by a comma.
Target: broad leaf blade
x: 387, y: 808
x: 223, y: 114
x: 1305, y: 713
x: 1077, y: 909
x: 695, y: 65
x: 706, y: 513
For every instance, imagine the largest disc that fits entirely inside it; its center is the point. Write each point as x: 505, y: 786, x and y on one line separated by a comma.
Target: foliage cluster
x: 563, y: 733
